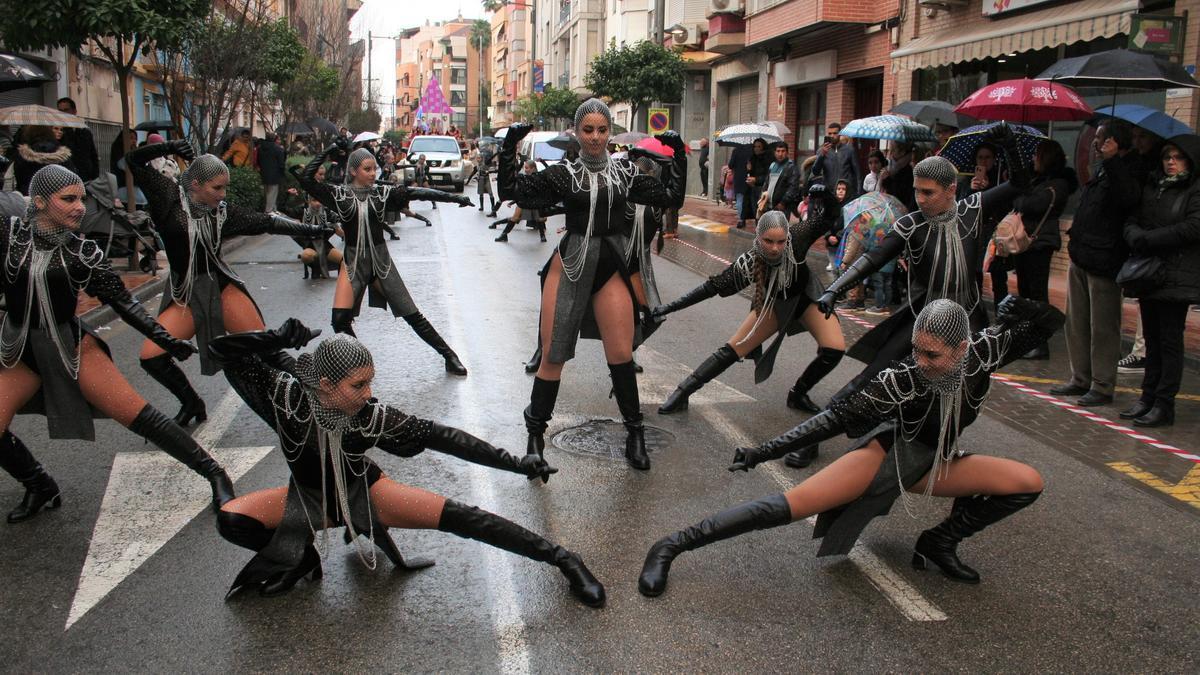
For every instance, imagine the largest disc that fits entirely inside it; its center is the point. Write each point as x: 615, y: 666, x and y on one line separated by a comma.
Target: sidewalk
x: 709, y: 216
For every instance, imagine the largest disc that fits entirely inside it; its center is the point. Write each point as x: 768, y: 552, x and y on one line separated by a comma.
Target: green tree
x: 314, y: 83
x: 493, y: 5
x: 120, y: 30
x: 549, y: 108
x: 364, y: 120
x: 637, y: 75
x: 396, y: 136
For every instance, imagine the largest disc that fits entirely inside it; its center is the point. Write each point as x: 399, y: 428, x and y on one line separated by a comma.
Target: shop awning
x: 1062, y: 25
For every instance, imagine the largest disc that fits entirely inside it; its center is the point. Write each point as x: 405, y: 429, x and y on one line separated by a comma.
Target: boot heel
x: 54, y: 503
x: 919, y: 562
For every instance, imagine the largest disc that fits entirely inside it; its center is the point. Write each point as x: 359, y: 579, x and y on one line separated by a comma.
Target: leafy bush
x: 245, y: 188
x: 292, y: 205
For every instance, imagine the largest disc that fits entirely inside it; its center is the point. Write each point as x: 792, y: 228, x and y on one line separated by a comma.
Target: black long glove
x: 1013, y: 310
x: 290, y: 335
x: 459, y: 443
x: 698, y: 294
x: 281, y: 224
x: 135, y: 315
x: 1018, y: 174
x: 506, y: 163
x: 432, y: 195
x: 820, y: 427
x: 141, y: 156
x: 676, y: 179
x: 855, y: 274
x: 310, y: 169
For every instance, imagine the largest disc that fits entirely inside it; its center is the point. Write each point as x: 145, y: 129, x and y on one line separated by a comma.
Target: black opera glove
x: 820, y: 427
x: 460, y: 444
x: 516, y: 133
x: 290, y: 335
x: 678, y: 169
x: 862, y: 268
x: 1013, y: 310
x: 134, y: 314
x: 698, y: 294
x: 506, y: 161
x: 183, y: 149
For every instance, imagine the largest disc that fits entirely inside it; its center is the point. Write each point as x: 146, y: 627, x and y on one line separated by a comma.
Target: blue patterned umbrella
x: 889, y: 128
x: 960, y: 149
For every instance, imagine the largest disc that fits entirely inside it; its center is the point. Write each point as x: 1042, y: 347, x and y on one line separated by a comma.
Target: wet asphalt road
x: 1097, y: 576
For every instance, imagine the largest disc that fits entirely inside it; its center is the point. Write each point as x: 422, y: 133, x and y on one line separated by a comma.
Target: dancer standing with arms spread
x: 360, y: 205
x: 908, y: 419
x: 588, y: 274
x: 206, y: 298
x: 58, y: 365
x: 327, y: 420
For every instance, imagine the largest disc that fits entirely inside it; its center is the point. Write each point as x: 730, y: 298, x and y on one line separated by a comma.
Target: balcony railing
x: 564, y: 13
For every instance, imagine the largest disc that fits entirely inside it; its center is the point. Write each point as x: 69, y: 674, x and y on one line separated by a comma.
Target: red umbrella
x: 1026, y: 101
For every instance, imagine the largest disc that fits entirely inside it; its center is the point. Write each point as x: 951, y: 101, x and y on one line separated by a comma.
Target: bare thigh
x: 982, y: 475
x: 548, y: 370
x: 104, y: 386
x: 265, y: 506
x: 843, y: 481
x: 17, y: 385
x: 743, y: 341
x: 177, y: 319
x: 343, y: 293
x: 238, y: 311
x: 405, y: 506
x: 639, y: 291
x: 614, y: 318
x: 825, y: 330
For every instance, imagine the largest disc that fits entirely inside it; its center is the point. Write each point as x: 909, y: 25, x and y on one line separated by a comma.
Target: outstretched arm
x: 308, y: 178
x: 250, y: 376
x: 538, y: 190
x: 866, y: 265
x: 401, y: 194
x: 158, y: 188
x: 820, y: 427
x: 460, y: 444
x: 243, y: 222
x: 1021, y: 325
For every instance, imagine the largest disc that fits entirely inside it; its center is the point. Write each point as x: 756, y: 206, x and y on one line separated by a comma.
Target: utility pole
x: 370, y: 96
x: 660, y: 8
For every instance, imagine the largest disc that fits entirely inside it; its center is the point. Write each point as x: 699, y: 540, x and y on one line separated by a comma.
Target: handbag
x: 1141, y: 274
x: 1011, y: 237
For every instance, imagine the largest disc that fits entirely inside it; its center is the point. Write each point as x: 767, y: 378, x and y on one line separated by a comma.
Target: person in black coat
x: 1167, y: 226
x: 703, y: 160
x: 272, y: 162
x: 82, y: 145
x: 739, y: 160
x: 36, y: 147
x: 783, y: 182
x: 758, y: 173
x: 1097, y: 250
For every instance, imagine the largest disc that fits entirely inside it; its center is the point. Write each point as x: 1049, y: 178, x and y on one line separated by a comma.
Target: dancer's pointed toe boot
x: 426, y: 332
x: 772, y: 511
x: 939, y: 545
x: 799, y: 400
x: 166, y: 372
x: 624, y: 379
x: 40, y: 489
x: 826, y: 360
x: 713, y: 366
x: 583, y: 584
x: 310, y: 566
x: 538, y: 414
x: 535, y: 361
x: 173, y: 440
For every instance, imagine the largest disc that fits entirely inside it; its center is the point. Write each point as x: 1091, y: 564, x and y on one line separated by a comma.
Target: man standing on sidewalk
x: 838, y: 160
x: 703, y: 167
x: 1097, y: 250
x: 783, y: 186
x: 271, y: 162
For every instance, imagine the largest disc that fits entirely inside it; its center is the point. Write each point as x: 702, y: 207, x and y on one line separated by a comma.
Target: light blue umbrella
x: 1154, y: 121
x: 889, y: 128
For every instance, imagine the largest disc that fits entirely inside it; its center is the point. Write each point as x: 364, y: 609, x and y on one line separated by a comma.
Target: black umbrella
x: 296, y: 128
x: 16, y: 72
x: 1119, y: 68
x: 930, y: 113
x: 322, y: 125
x: 155, y: 125
x: 564, y: 142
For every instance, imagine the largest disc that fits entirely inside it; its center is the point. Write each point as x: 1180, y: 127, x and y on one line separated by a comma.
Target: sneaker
x: 1131, y: 364
x: 829, y: 267
x: 879, y: 311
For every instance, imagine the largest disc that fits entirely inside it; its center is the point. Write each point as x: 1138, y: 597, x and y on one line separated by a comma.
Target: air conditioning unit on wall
x: 941, y: 4
x: 690, y: 36
x: 725, y: 7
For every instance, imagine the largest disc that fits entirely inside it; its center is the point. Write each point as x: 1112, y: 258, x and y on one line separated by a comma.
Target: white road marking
x: 903, y: 596
x: 149, y: 499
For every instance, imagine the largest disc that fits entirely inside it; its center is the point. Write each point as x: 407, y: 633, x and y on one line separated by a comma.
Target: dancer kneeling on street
x: 908, y: 420
x: 327, y: 420
x: 54, y: 364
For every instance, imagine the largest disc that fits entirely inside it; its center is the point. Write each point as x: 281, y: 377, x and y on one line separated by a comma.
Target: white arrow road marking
x: 149, y: 498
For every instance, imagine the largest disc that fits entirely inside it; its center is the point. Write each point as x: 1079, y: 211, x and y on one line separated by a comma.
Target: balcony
x: 564, y: 13
x: 726, y: 34
x: 796, y: 17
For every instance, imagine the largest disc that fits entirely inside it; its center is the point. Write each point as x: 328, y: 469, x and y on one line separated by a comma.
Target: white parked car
x: 444, y: 158
x: 536, y: 146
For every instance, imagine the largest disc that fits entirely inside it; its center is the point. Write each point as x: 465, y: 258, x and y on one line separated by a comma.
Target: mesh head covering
x: 948, y: 322
x: 45, y: 183
x: 937, y: 168
x: 356, y: 159
x: 592, y: 105
x: 648, y: 166
x: 334, y: 358
x: 769, y: 221
x: 203, y: 169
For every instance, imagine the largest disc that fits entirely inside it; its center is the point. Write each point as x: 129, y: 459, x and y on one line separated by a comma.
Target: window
x: 458, y: 98
x: 459, y: 119
x: 458, y: 76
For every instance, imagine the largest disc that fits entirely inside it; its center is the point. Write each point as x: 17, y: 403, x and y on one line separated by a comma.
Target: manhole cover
x: 606, y: 438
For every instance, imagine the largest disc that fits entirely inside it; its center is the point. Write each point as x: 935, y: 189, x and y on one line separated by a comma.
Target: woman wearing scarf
x: 908, y: 420
x: 327, y: 420
x: 53, y: 364
x: 360, y: 205
x: 588, y: 278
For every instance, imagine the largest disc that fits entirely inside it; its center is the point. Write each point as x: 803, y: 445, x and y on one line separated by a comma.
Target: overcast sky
x: 386, y: 18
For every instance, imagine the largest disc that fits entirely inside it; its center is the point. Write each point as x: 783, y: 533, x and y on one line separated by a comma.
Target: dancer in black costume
x: 206, y: 297
x: 326, y: 421
x: 360, y: 205
x: 944, y: 244
x: 908, y: 419
x: 316, y: 253
x: 588, y: 277
x: 783, y: 304
x: 53, y: 364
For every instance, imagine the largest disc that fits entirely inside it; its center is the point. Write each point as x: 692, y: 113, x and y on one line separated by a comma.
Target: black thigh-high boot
x: 535, y: 361
x: 826, y: 360
x: 538, y: 414
x: 391, y: 233
x: 712, y: 367
x: 428, y: 222
x: 426, y: 332
x: 250, y: 533
x: 343, y: 321
x: 473, y: 523
x: 173, y: 440
x: 760, y: 514
x: 40, y: 488
x: 625, y: 390
x: 166, y: 372
x: 969, y: 515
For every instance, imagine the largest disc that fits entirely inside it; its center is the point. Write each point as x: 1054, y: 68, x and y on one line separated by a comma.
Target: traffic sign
x: 660, y: 120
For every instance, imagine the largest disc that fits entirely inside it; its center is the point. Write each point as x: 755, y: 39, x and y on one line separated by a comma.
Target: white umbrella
x: 367, y: 136
x: 745, y: 134
x: 501, y: 133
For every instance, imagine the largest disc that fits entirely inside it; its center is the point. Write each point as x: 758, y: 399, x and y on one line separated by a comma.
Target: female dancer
x: 360, y: 205
x: 316, y: 253
x: 207, y: 298
x: 59, y: 365
x: 589, y: 272
x: 909, y: 418
x: 327, y: 420
x: 533, y: 217
x: 784, y: 292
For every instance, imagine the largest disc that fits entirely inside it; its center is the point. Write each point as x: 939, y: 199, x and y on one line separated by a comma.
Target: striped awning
x: 1060, y: 25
